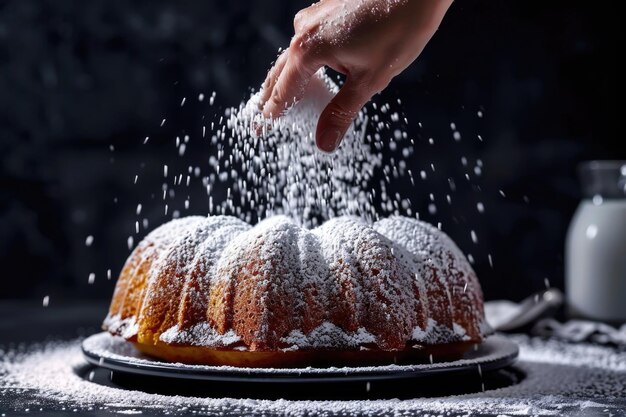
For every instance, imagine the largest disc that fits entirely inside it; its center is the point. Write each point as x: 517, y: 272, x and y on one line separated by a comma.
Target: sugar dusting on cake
x: 561, y: 379
x: 341, y: 285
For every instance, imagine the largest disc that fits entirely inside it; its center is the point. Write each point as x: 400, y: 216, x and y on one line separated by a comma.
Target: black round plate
x: 116, y: 354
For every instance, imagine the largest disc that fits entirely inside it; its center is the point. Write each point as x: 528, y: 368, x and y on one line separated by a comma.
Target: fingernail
x: 329, y: 140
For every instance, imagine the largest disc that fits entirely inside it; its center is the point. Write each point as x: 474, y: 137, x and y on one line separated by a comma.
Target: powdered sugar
x: 282, y: 171
x: 328, y: 335
x: 289, y: 175
x: 126, y: 327
x: 200, y: 334
x: 342, y: 285
x: 561, y: 379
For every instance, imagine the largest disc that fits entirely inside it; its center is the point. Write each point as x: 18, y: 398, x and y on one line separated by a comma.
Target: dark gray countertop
x: 26, y: 324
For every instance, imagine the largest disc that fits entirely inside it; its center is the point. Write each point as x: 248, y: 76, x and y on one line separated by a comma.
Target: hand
x: 369, y: 41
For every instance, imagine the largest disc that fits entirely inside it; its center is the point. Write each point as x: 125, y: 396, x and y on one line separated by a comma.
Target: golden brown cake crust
x: 199, y: 287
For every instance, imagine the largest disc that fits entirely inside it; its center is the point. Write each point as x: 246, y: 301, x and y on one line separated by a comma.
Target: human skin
x: 369, y: 41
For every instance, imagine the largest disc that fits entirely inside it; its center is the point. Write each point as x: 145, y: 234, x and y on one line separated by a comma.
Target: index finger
x: 292, y: 81
x: 272, y: 77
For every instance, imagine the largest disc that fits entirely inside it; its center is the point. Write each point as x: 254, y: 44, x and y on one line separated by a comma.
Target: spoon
x: 522, y: 316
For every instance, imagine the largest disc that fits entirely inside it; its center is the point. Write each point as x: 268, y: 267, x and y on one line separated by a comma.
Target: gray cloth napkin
x: 581, y: 331
x: 500, y: 311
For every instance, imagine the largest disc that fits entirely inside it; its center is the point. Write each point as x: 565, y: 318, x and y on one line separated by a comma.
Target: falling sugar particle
x: 136, y: 178
x: 108, y: 274
x: 546, y: 282
x: 479, y: 113
x: 45, y: 301
x: 136, y: 227
x: 91, y: 279
x: 146, y: 140
x: 490, y: 260
x: 200, y: 97
x: 89, y: 240
x: 452, y: 184
x: 457, y: 136
x: 597, y: 200
x: 129, y: 242
x: 591, y: 232
x: 430, y: 357
x: 502, y: 193
x: 138, y: 211
x: 367, y: 386
x: 480, y: 207
x: 474, y: 237
x: 162, y: 122
x: 165, y: 171
x: 182, y: 103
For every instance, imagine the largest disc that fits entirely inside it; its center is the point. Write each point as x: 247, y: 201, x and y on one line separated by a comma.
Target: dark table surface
x: 26, y: 324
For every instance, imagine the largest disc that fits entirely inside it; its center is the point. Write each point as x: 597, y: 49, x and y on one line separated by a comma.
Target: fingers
x: 292, y: 81
x: 339, y: 114
x: 272, y: 77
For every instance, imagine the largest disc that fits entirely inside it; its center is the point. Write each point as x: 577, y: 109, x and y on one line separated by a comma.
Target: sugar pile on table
x: 561, y: 378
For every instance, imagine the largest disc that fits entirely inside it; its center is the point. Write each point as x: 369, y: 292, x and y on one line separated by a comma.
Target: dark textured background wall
x: 79, y: 78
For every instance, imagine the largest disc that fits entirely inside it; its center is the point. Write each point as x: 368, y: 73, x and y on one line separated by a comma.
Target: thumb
x: 339, y: 114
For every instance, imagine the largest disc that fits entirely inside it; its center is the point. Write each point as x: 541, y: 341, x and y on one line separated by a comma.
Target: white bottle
x: 595, y: 253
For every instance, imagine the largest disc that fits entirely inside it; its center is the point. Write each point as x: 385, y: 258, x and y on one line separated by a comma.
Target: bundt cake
x: 215, y: 290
